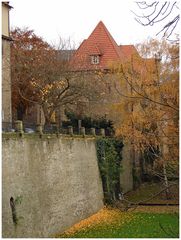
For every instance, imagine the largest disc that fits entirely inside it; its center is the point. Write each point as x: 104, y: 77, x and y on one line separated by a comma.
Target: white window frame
x: 95, y: 59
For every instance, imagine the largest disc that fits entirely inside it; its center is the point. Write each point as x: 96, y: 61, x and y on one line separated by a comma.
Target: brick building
x: 99, y: 53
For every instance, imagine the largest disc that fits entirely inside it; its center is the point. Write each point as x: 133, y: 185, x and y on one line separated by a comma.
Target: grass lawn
x: 112, y: 223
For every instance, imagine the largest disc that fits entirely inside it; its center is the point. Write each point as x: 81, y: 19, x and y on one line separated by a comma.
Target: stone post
x: 19, y: 126
x: 93, y: 131
x: 79, y: 125
x: 82, y: 131
x: 102, y: 132
x: 70, y: 130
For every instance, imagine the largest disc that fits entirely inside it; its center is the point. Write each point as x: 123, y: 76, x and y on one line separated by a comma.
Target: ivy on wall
x: 109, y: 161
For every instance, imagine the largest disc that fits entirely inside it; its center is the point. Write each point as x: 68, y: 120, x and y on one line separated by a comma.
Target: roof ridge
x: 115, y: 45
x: 82, y: 43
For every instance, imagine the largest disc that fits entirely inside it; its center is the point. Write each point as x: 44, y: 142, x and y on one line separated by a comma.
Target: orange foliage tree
x: 41, y: 75
x: 150, y: 105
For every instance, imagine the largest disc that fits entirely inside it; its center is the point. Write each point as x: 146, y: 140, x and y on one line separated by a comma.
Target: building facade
x: 97, y: 55
x: 6, y: 67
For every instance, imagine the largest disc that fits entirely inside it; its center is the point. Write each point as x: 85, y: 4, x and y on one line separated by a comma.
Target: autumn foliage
x: 42, y: 75
x: 150, y: 104
x: 35, y: 71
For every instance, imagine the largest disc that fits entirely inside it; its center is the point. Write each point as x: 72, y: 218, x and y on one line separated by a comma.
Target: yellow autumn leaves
x: 105, y: 216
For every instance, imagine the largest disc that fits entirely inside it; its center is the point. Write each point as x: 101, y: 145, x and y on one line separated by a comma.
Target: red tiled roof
x: 100, y: 42
x: 128, y: 51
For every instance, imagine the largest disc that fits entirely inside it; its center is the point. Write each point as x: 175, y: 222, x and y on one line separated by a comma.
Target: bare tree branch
x: 158, y: 12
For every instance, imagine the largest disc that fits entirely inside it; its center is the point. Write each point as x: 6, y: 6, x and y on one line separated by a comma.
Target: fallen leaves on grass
x: 112, y: 223
x: 105, y: 216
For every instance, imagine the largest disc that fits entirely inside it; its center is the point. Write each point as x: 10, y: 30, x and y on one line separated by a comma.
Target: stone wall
x: 103, y: 99
x: 54, y: 182
x: 105, y: 105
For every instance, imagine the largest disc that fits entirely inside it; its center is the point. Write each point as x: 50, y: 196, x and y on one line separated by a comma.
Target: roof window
x: 95, y: 59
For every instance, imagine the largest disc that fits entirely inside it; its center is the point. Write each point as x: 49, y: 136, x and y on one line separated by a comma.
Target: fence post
x: 102, y: 132
x: 19, y: 126
x: 93, y: 131
x: 82, y: 131
x: 70, y: 130
x: 79, y: 125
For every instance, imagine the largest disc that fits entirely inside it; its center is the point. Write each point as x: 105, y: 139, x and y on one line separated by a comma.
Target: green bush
x: 88, y: 122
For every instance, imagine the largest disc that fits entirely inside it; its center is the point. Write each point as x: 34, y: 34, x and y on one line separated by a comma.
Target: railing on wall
x: 19, y: 126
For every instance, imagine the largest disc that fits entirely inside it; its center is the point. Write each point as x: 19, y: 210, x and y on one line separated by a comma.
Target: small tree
x: 150, y: 103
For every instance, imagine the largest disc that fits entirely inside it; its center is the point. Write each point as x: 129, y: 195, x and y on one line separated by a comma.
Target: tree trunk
x: 167, y: 191
x: 47, y: 115
x: 20, y: 111
x: 47, y: 125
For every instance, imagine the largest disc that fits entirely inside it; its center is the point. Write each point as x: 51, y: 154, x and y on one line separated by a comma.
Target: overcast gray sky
x: 77, y: 19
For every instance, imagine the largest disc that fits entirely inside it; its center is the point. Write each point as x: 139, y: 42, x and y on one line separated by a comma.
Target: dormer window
x: 95, y: 59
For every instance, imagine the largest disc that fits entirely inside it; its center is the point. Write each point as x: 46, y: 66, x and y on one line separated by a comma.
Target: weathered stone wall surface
x: 56, y: 179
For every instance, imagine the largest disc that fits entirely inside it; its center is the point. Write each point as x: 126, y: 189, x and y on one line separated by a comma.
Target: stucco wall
x: 6, y: 82
x: 57, y: 180
x: 5, y: 20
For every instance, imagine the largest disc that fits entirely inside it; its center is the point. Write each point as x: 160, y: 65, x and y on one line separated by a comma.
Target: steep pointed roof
x: 104, y: 41
x: 99, y: 43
